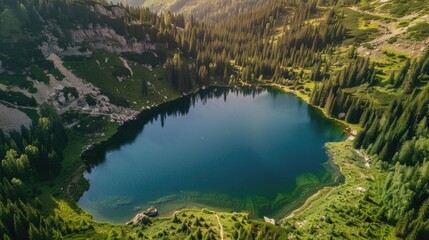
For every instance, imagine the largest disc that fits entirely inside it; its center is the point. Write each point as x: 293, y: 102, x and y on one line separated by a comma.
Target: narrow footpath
x: 220, y: 226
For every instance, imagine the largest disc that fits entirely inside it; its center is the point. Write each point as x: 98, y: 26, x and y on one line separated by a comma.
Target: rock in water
x: 139, y: 219
x: 151, y: 212
x: 143, y: 218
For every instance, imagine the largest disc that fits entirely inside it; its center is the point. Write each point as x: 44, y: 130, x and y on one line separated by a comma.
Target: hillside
x: 73, y: 71
x: 200, y: 9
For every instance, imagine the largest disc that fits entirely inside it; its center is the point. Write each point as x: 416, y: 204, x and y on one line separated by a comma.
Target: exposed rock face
x: 151, y: 212
x: 270, y: 220
x: 143, y: 218
x: 107, y: 38
x: 51, y: 47
x: 139, y: 219
x: 115, y: 12
x: 12, y: 119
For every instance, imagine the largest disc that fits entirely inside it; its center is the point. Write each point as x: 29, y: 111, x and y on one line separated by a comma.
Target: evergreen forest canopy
x: 314, y: 48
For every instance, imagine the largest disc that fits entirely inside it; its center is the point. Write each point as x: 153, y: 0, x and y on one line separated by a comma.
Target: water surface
x: 222, y: 148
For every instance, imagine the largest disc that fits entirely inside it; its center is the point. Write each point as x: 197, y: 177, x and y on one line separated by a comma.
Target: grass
x: 18, y: 81
x: 99, y: 69
x: 404, y: 23
x: 10, y: 26
x: 38, y: 74
x: 358, y: 25
x: 366, y: 24
x: 401, y: 8
x: 206, y: 221
x: 72, y: 163
x: 419, y: 31
x: 56, y: 73
x: 53, y: 193
x: 31, y: 113
x: 379, y: 96
x: 17, y: 98
x: 343, y: 211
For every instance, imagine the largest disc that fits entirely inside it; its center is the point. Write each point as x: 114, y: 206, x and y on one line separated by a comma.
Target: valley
x: 78, y: 75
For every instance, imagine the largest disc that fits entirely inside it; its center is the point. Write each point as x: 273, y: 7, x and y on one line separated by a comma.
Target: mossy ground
x: 98, y: 70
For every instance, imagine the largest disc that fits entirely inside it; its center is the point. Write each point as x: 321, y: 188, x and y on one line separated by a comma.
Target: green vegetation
x: 203, y: 9
x: 307, y: 48
x: 18, y: 81
x: 17, y: 98
x: 402, y: 7
x: 348, y: 211
x: 204, y: 224
x: 10, y: 25
x: 420, y: 31
x: 37, y: 73
x: 103, y: 70
x: 352, y: 21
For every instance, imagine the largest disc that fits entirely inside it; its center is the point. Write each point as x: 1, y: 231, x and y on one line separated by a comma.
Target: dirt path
x: 70, y: 78
x: 365, y: 157
x: 220, y: 226
x: 314, y: 199
x: 392, y: 29
x: 380, y: 15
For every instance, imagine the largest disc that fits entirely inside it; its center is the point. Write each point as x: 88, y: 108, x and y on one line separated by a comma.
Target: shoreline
x: 301, y: 201
x: 320, y: 194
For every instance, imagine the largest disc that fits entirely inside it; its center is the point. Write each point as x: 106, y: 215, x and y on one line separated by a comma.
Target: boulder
x: 270, y: 220
x: 151, y: 212
x: 62, y: 100
x: 139, y: 219
x: 59, y: 88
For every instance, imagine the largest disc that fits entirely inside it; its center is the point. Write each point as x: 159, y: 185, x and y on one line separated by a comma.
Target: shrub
x: 17, y: 98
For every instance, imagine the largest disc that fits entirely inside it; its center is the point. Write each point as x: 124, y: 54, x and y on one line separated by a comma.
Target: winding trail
x: 311, y: 201
x: 220, y: 226
x: 380, y: 15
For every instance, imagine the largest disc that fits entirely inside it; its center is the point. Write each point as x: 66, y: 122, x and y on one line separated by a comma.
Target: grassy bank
x: 348, y: 211
x: 60, y: 198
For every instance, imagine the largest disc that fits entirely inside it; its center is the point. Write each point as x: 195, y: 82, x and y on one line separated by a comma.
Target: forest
x: 307, y: 46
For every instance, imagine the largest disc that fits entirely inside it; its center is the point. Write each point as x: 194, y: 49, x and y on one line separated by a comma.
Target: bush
x: 18, y: 81
x: 368, y: 46
x: 37, y: 73
x: 121, y: 71
x: 419, y: 31
x: 392, y: 39
x: 90, y: 100
x: 72, y: 91
x: 17, y: 98
x: 144, y: 58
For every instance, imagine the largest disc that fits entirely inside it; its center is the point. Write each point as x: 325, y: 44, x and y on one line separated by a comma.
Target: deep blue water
x: 230, y: 149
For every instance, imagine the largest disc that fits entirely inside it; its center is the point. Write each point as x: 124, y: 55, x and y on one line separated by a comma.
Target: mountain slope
x: 200, y: 9
x: 364, y: 63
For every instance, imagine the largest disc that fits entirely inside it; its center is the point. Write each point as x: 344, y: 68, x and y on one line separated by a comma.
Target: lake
x: 254, y: 150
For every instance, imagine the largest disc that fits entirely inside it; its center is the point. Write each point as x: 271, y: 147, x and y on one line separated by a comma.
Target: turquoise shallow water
x: 230, y: 149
